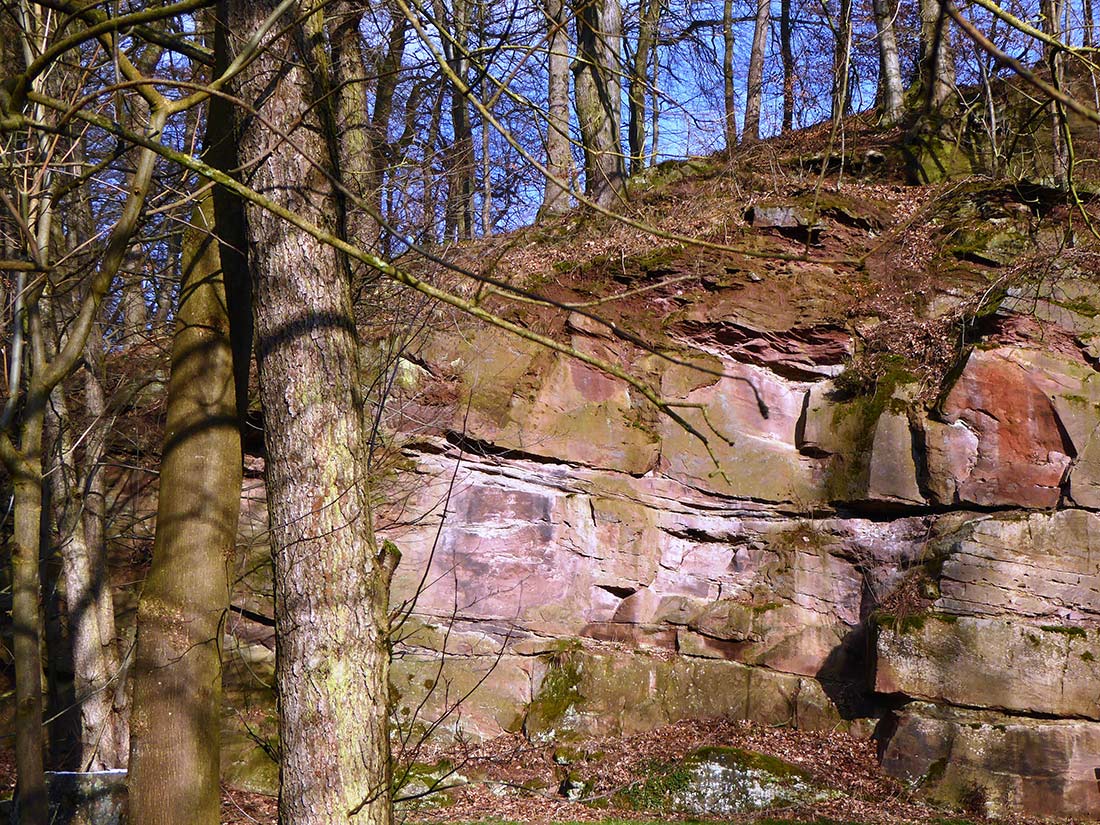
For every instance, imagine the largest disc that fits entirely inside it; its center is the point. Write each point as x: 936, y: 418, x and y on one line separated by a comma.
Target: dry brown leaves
x: 243, y: 808
x: 516, y: 781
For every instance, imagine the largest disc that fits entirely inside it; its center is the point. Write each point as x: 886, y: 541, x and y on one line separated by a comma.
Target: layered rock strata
x: 921, y: 559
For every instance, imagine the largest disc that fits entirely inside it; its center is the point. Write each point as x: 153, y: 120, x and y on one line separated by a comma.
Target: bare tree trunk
x: 432, y: 186
x: 176, y: 718
x: 842, y: 59
x: 1052, y: 23
x: 650, y: 13
x: 559, y: 155
x: 355, y: 136
x: 598, y: 95
x: 77, y: 495
x: 755, y: 92
x: 25, y: 467
x: 655, y: 109
x: 728, y: 92
x: 174, y: 763
x: 890, y: 85
x: 788, y: 64
x: 22, y: 457
x: 46, y: 371
x: 94, y: 520
x: 937, y: 63
x: 486, y: 129
x: 389, y: 73
x: 459, y: 154
x: 331, y: 580
x: 135, y: 313
x: 1089, y: 41
x: 76, y: 492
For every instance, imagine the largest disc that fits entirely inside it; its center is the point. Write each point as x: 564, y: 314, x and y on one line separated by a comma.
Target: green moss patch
x: 423, y: 785
x: 718, y: 781
x: 864, y: 391
x: 1072, y: 632
x: 557, y: 696
x: 655, y: 791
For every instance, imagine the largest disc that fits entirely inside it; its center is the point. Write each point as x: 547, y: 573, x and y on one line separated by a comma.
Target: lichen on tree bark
x: 331, y: 582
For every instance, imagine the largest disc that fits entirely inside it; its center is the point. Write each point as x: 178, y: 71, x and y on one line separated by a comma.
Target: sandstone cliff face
x: 902, y: 551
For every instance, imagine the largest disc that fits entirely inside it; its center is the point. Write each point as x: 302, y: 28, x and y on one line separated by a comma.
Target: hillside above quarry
x: 879, y: 518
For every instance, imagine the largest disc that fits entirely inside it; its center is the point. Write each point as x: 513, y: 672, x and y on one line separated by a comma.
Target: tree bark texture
x: 25, y: 467
x: 135, y: 312
x: 116, y: 752
x: 176, y: 718
x: 650, y: 12
x: 559, y: 156
x: 175, y: 723
x: 76, y: 491
x: 787, y: 57
x: 842, y: 60
x: 728, y: 91
x: 890, y: 86
x: 331, y: 584
x: 755, y: 91
x: 597, y: 92
x: 937, y: 62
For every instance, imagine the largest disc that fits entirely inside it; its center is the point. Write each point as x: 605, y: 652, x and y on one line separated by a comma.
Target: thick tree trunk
x: 175, y: 724
x: 598, y: 97
x: 331, y: 583
x: 755, y: 91
x: 559, y: 155
x: 889, y: 65
x: 176, y: 718
x: 937, y: 63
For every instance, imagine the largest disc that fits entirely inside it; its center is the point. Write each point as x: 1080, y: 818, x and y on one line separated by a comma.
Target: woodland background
x: 267, y: 191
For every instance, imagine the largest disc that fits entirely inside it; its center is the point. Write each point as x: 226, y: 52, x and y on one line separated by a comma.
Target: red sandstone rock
x: 1021, y: 455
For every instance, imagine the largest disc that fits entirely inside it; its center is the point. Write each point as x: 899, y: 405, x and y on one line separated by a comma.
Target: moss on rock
x: 721, y: 781
x: 558, y: 695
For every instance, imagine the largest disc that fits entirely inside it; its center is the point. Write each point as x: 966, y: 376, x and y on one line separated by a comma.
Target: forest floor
x: 512, y: 780
x: 509, y: 779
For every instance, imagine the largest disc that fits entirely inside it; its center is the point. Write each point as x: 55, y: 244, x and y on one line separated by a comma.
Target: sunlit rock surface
x: 845, y: 548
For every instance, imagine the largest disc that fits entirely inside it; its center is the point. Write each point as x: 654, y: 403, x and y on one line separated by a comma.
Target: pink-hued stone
x: 1021, y: 454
